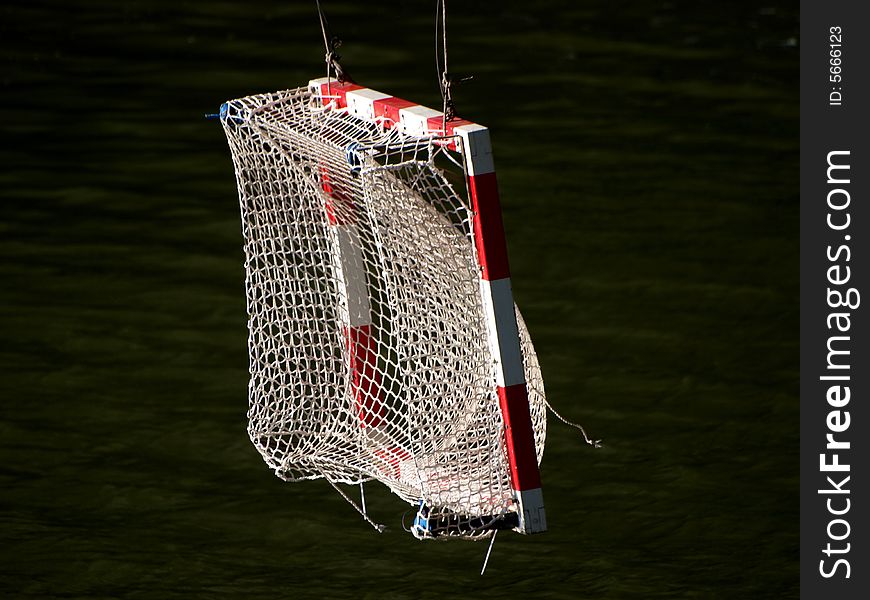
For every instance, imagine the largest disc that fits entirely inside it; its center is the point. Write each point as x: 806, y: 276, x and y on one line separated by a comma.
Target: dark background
x: 647, y: 156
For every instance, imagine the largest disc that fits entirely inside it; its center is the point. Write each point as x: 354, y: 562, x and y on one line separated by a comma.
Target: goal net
x: 377, y: 349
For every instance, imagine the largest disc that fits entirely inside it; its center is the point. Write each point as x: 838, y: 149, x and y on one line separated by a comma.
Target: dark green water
x: 647, y: 156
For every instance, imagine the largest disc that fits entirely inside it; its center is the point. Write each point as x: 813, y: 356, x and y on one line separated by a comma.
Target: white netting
x: 368, y: 347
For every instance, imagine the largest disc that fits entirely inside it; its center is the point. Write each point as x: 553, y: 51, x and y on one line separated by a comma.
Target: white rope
x: 591, y: 442
x: 488, y: 551
x: 378, y: 527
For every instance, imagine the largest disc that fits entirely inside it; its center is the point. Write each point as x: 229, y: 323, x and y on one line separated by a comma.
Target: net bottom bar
x: 429, y: 526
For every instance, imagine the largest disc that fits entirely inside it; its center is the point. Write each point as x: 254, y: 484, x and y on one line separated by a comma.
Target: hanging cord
x: 378, y: 527
x: 443, y: 75
x: 331, y: 43
x: 445, y: 79
x: 591, y: 442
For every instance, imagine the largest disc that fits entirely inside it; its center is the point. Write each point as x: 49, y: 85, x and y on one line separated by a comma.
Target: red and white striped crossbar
x: 495, y: 283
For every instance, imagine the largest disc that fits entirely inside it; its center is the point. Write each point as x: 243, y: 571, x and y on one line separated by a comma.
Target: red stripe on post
x: 454, y: 122
x: 340, y: 209
x: 519, y: 437
x: 388, y: 108
x: 334, y: 88
x: 436, y: 124
x: 366, y: 379
x: 488, y: 227
x: 451, y: 130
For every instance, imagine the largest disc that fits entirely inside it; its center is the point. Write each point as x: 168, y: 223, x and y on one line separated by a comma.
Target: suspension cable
x: 444, y: 81
x: 331, y: 43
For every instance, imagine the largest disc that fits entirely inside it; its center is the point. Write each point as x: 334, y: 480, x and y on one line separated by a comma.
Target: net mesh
x: 368, y: 348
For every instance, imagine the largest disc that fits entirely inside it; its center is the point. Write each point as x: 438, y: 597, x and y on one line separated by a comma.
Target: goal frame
x: 472, y: 142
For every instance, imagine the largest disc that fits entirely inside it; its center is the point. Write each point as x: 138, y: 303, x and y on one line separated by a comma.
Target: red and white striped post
x: 365, y: 379
x: 504, y: 339
x: 495, y: 283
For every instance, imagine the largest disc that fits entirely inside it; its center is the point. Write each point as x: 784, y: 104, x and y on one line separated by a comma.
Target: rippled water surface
x: 647, y: 156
